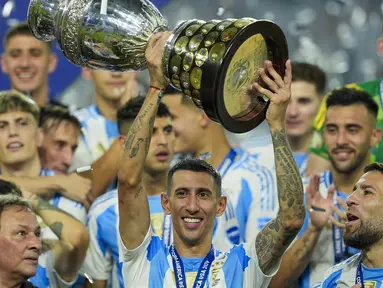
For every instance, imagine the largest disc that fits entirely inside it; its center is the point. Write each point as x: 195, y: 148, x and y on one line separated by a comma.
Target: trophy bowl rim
x: 32, y: 23
x: 269, y: 30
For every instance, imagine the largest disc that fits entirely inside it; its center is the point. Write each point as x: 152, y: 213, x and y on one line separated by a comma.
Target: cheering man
x: 194, y: 199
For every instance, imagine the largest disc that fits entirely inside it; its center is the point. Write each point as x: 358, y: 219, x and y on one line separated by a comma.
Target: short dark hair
x: 52, y: 116
x: 351, y: 96
x: 374, y: 167
x: 195, y: 165
x: 9, y: 200
x: 7, y: 187
x: 21, y: 28
x: 309, y: 73
x: 129, y: 112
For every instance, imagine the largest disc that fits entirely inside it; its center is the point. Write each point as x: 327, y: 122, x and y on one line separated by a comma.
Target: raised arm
x: 297, y: 257
x: 70, y: 250
x: 277, y: 235
x: 132, y: 200
x: 104, y: 170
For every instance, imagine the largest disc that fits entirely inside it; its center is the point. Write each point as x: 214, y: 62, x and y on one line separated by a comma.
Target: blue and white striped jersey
x: 323, y: 255
x: 102, y: 260
x: 74, y: 208
x: 98, y: 134
x: 150, y: 265
x: 46, y: 276
x: 344, y: 275
x: 252, y: 200
x: 301, y: 161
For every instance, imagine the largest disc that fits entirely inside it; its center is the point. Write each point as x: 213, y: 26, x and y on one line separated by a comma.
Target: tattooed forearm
x: 42, y: 204
x: 139, y: 190
x: 57, y: 228
x: 289, y: 183
x: 136, y: 148
x: 277, y: 235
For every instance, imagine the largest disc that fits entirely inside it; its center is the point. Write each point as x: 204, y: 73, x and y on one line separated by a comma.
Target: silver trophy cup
x: 213, y: 62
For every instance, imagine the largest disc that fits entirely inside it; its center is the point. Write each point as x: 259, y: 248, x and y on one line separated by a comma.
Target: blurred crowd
x: 65, y: 176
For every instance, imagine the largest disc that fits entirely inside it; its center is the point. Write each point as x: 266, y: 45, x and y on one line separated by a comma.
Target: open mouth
x: 25, y: 76
x: 15, y: 146
x: 192, y: 222
x: 351, y: 217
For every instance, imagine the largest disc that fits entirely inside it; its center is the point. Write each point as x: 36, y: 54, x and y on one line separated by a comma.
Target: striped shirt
x: 252, y: 201
x: 46, y: 276
x: 150, y: 265
x: 102, y: 260
x: 98, y: 134
x: 344, y: 275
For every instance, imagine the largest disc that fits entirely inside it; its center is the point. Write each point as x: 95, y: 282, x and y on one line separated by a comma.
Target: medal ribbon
x: 179, y: 271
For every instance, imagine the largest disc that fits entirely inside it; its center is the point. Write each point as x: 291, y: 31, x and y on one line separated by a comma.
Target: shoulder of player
x: 86, y: 114
x: 103, y: 202
x: 247, y: 162
x: 346, y: 265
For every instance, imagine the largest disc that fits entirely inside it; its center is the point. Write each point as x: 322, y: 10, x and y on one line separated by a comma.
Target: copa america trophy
x: 213, y: 62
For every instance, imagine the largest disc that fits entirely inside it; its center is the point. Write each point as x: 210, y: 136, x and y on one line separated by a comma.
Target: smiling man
x: 194, y: 199
x: 28, y: 62
x: 349, y: 133
x: 364, y: 231
x: 20, y: 245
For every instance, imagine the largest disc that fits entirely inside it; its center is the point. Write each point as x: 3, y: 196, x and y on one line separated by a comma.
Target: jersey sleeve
x: 54, y: 278
x: 98, y: 263
x: 262, y: 203
x: 330, y: 279
x: 254, y: 276
x: 136, y: 264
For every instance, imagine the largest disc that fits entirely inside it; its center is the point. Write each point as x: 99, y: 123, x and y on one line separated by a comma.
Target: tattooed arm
x: 132, y: 200
x: 277, y: 235
x: 69, y: 252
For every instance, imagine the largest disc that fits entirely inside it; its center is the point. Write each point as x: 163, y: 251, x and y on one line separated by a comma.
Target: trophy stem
x: 104, y: 7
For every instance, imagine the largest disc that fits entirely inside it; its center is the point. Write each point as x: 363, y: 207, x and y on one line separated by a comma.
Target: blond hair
x: 14, y: 101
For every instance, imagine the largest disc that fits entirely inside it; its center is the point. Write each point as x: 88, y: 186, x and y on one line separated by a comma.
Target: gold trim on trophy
x: 175, y: 64
x: 195, y: 42
x: 201, y: 56
x: 211, y: 38
x: 228, y: 34
x: 217, y: 52
x: 195, y: 77
x: 185, y: 79
x: 181, y: 44
x: 188, y: 61
x: 176, y: 81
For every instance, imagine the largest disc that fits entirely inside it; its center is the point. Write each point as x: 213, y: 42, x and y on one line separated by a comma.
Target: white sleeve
x: 264, y: 205
x: 54, y: 278
x: 98, y: 264
x: 254, y: 277
x: 136, y: 266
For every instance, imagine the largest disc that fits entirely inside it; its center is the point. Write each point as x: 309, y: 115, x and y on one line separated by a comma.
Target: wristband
x: 157, y: 88
x: 161, y: 94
